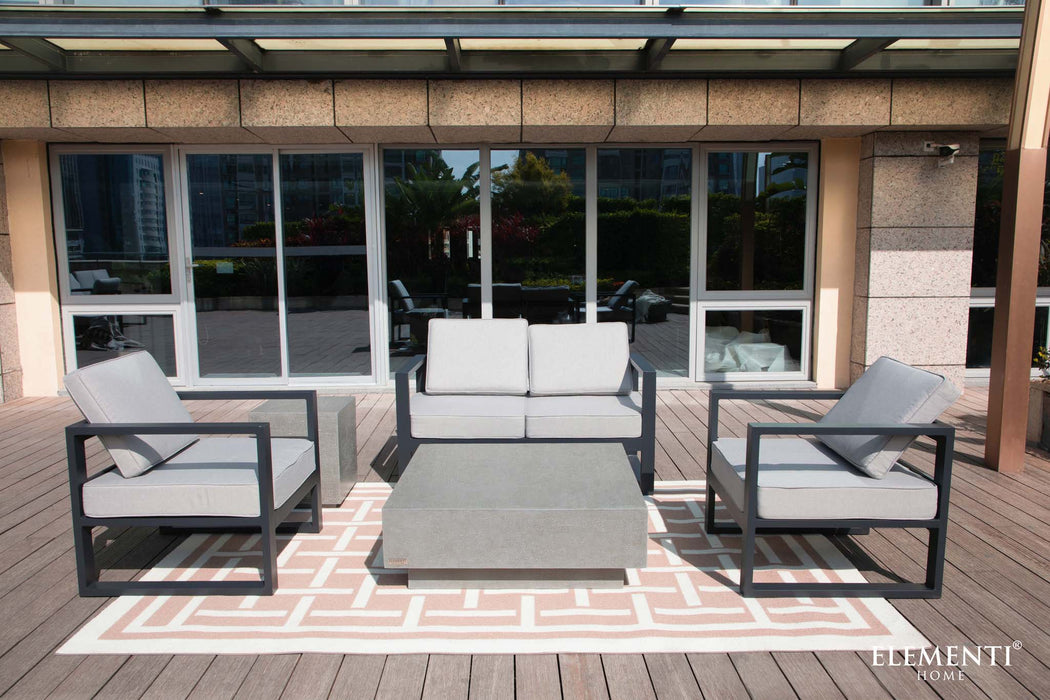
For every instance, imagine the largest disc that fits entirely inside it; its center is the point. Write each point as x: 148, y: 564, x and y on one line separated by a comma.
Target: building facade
x: 791, y: 226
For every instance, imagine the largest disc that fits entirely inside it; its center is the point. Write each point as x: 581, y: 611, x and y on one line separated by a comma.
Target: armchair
x: 404, y: 310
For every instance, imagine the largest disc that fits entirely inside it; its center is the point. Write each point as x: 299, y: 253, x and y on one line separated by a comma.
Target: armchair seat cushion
x: 213, y: 477
x: 467, y: 417
x: 584, y: 416
x: 801, y: 479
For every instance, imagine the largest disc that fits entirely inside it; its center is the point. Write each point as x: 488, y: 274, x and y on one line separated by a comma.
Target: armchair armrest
x: 759, y: 395
x: 309, y: 396
x: 436, y: 295
x: 78, y: 433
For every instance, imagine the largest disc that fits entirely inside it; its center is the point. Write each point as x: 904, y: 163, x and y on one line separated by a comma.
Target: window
x: 99, y: 337
x: 756, y: 271
x: 644, y: 238
x: 987, y: 219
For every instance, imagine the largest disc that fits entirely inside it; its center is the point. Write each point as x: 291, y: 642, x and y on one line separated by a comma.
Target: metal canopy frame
x: 26, y: 30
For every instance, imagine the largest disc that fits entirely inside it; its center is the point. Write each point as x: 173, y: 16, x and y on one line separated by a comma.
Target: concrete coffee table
x: 514, y: 515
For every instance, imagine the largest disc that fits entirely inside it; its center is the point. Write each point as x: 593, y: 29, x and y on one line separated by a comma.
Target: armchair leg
x: 87, y: 567
x: 712, y: 527
x: 268, y: 542
x: 315, y: 510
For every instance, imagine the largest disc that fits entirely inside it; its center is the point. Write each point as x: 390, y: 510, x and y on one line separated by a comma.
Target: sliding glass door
x: 279, y: 264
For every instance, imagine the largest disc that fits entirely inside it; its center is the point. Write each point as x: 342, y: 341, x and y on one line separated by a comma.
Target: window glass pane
x: 538, y: 234
x: 235, y: 257
x: 105, y: 337
x: 116, y: 223
x: 433, y: 240
x: 756, y: 220
x: 325, y: 264
x: 644, y: 243
x: 752, y: 341
x: 987, y: 218
x: 979, y: 335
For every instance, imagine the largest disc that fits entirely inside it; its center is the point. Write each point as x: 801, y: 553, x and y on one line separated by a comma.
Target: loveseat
x: 500, y: 380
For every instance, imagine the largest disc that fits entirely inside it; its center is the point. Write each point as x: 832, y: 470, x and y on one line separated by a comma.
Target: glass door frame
x: 753, y: 300
x: 373, y: 264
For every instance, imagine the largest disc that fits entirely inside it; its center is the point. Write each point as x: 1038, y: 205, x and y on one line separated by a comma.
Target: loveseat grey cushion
x: 131, y: 388
x: 475, y: 356
x: 888, y: 392
x: 214, y: 477
x: 583, y: 416
x: 800, y: 479
x: 577, y: 359
x: 467, y: 417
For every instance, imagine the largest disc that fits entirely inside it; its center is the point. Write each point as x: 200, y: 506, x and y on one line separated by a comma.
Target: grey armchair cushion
x: 575, y: 359
x: 399, y: 293
x: 889, y: 392
x: 473, y: 356
x: 583, y: 416
x: 131, y: 388
x: 214, y: 477
x: 467, y: 417
x: 799, y: 479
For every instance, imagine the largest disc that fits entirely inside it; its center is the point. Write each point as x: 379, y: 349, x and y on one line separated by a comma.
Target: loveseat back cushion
x: 475, y: 356
x: 131, y: 388
x: 574, y: 359
x: 888, y: 392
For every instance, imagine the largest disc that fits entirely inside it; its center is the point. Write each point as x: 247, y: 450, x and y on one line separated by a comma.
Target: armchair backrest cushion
x: 399, y: 296
x: 585, y: 358
x: 475, y: 356
x: 131, y: 388
x: 622, y: 297
x: 888, y: 392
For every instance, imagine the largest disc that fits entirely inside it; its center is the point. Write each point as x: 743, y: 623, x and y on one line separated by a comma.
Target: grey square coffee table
x: 516, y: 515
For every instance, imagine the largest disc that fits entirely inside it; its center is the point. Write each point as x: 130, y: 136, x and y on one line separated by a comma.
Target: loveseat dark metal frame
x: 266, y: 523
x: 750, y: 525
x: 644, y: 446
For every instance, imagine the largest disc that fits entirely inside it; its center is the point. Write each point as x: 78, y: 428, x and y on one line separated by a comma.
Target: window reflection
x: 433, y: 240
x: 103, y: 337
x: 116, y: 223
x: 752, y: 341
x: 644, y: 249
x: 538, y: 235
x: 756, y: 220
x: 325, y: 264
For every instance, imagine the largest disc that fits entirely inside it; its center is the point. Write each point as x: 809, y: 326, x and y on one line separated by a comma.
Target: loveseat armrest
x: 641, y: 366
x: 941, y: 433
x: 760, y: 395
x: 78, y: 434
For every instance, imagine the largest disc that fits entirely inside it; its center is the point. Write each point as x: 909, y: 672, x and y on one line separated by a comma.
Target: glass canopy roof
x: 78, y: 41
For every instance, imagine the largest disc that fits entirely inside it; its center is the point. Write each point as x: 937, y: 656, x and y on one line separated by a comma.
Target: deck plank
x: 536, y: 676
x: 491, y: 676
x: 627, y: 677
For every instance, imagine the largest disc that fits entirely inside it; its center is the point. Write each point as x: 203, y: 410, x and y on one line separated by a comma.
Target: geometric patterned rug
x: 335, y: 596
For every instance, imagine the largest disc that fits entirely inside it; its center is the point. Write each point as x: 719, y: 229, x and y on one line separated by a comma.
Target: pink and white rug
x: 335, y: 596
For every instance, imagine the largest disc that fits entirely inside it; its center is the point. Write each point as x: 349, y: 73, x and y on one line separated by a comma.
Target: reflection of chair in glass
x: 547, y: 304
x: 618, y: 306
x: 93, y: 282
x: 105, y: 333
x: 403, y: 310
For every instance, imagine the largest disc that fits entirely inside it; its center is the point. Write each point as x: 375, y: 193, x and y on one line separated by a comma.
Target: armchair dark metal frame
x: 626, y: 312
x: 644, y: 445
x: 267, y: 522
x: 750, y: 525
x: 401, y: 316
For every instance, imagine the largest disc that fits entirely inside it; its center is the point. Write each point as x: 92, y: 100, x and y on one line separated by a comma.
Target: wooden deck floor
x: 997, y: 589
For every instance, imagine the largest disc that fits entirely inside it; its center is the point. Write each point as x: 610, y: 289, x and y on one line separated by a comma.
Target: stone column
x: 10, y: 367
x: 914, y: 249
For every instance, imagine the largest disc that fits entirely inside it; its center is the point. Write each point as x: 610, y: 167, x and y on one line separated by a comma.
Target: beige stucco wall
x: 914, y: 252
x: 33, y: 261
x: 836, y: 243
x: 10, y: 365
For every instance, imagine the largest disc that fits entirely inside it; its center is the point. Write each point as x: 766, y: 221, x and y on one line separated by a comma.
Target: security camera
x: 946, y: 151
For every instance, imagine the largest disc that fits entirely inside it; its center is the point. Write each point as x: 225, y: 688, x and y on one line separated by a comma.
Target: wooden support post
x: 1019, y: 239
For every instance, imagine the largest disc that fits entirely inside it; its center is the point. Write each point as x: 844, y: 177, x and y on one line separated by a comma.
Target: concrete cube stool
x: 516, y: 515
x: 337, y: 438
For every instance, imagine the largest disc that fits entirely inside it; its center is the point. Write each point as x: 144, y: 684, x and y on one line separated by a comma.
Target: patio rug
x: 334, y: 596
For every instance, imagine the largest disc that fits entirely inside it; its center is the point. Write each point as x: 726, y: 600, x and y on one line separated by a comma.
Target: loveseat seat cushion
x: 131, y: 388
x: 802, y: 479
x: 467, y: 417
x: 475, y: 356
x: 584, y: 416
x: 213, y: 477
x: 576, y: 359
x: 888, y: 392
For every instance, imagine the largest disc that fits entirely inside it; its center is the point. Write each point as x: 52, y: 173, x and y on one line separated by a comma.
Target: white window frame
x: 754, y: 300
x: 376, y: 311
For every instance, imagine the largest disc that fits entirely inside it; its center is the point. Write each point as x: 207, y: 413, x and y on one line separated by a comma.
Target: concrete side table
x: 336, y: 432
